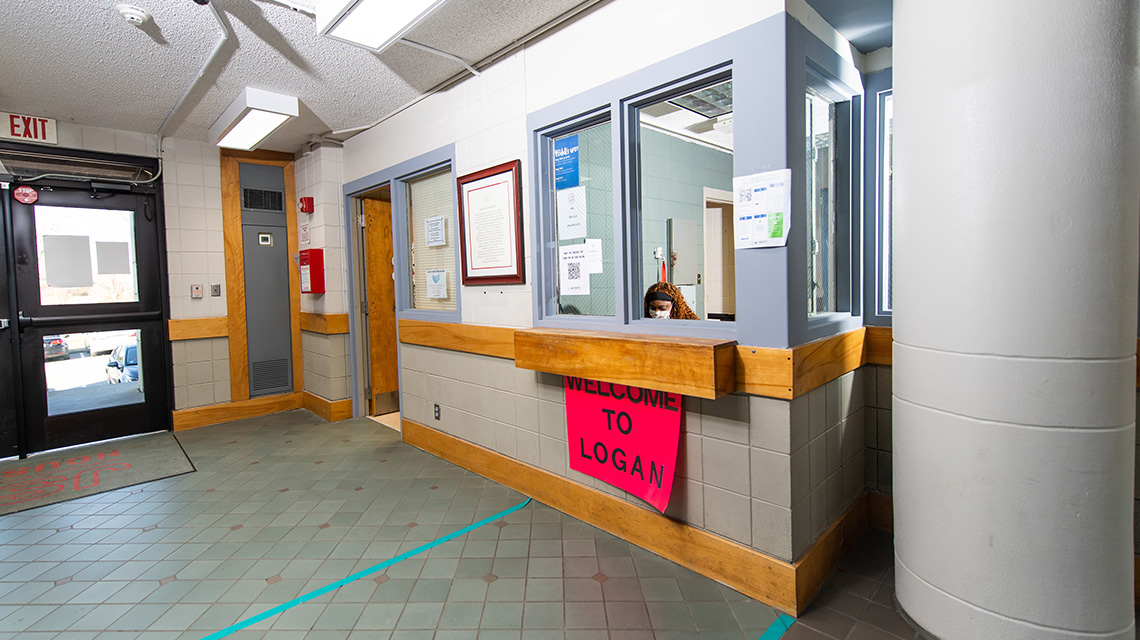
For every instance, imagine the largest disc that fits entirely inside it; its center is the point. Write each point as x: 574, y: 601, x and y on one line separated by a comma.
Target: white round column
x: 1017, y: 199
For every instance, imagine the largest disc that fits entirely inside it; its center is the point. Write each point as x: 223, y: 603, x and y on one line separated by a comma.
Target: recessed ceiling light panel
x: 372, y: 24
x: 709, y: 102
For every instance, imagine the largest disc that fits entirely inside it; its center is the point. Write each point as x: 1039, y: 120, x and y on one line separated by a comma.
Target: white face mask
x: 658, y: 313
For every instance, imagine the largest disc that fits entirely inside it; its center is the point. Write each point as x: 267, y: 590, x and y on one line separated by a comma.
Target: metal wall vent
x: 268, y: 374
x: 262, y: 200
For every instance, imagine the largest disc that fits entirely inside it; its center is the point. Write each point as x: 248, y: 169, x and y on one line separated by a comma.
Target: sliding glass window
x: 684, y: 213
x: 582, y: 162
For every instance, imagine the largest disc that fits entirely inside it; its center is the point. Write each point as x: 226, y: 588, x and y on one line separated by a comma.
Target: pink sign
x: 624, y: 436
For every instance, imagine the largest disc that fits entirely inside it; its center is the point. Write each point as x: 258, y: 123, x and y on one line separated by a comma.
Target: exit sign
x: 14, y: 126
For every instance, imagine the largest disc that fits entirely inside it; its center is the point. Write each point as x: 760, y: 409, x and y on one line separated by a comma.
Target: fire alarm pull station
x: 312, y: 263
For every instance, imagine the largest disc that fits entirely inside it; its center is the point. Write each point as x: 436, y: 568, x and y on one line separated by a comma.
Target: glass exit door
x: 86, y: 267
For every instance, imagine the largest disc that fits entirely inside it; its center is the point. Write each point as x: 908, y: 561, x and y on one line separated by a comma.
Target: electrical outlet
x: 437, y: 412
x: 216, y: 290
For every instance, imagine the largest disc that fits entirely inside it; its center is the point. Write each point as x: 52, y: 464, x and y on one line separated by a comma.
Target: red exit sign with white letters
x: 14, y: 126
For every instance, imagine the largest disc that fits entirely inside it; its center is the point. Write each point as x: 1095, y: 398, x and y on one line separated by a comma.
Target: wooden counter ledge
x: 698, y: 367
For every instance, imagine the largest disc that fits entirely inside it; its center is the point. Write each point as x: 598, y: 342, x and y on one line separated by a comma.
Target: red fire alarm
x: 306, y: 205
x: 312, y: 263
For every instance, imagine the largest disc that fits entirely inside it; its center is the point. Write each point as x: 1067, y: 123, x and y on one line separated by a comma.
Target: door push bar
x: 60, y: 321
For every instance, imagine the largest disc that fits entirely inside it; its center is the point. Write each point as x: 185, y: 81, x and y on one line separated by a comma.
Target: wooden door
x: 383, y: 370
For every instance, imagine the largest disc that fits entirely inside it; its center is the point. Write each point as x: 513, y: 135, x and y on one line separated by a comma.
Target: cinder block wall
x: 325, y: 364
x: 319, y: 176
x: 770, y: 474
x: 877, y: 381
x: 201, y: 372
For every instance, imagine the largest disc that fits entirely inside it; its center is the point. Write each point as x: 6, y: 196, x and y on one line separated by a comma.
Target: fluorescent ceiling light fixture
x: 372, y: 24
x: 253, y: 115
x: 709, y: 102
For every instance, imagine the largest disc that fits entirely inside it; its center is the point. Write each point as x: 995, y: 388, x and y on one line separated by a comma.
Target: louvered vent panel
x: 268, y: 374
x: 262, y: 200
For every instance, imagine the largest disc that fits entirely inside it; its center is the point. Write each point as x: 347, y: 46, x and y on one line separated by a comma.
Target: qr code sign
x: 574, y: 271
x: 744, y: 195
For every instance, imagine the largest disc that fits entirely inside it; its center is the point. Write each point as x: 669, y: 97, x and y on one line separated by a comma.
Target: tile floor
x: 285, y: 504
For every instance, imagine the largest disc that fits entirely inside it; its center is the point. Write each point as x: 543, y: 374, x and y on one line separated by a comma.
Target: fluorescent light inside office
x: 373, y: 23
x: 252, y: 129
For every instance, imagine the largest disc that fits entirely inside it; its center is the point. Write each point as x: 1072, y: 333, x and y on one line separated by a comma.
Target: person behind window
x: 664, y: 300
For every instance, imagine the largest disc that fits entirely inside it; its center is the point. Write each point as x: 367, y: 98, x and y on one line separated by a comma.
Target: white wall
x: 485, y: 117
x: 319, y: 177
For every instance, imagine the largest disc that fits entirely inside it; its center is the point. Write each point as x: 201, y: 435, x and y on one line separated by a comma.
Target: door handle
x: 3, y: 323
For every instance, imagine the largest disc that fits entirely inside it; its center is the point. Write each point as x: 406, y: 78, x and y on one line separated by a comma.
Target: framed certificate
x: 490, y: 225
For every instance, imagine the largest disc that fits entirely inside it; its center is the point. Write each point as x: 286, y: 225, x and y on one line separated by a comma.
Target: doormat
x: 56, y: 476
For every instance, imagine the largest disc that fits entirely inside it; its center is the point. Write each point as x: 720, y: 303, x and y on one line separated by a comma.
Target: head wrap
x: 680, y: 310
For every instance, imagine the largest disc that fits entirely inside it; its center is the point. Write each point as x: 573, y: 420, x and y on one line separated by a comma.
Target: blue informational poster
x: 566, y: 162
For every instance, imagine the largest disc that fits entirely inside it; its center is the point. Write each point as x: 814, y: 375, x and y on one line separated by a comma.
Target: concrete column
x: 1016, y: 255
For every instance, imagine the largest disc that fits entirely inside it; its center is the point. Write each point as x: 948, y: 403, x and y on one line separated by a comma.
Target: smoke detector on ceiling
x: 132, y: 14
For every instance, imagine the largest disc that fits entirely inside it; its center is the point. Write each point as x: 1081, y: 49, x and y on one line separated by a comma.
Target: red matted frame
x: 507, y: 190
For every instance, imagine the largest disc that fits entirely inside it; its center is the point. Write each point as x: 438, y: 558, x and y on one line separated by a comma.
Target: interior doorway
x: 382, y: 385
x: 720, y: 256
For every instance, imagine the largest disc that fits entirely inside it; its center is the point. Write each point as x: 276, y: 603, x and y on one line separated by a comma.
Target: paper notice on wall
x: 571, y: 213
x: 574, y: 274
x: 437, y: 284
x: 303, y: 234
x: 435, y: 231
x: 593, y: 259
x: 763, y: 206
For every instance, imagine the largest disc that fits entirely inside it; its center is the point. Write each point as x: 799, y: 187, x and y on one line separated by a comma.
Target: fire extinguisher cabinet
x: 312, y: 263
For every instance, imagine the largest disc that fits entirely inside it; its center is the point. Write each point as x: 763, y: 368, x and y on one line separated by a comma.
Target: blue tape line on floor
x: 248, y: 622
x: 782, y: 624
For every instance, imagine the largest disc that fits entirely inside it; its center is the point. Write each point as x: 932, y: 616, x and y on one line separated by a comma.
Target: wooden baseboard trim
x: 198, y: 328
x: 329, y: 325
x: 331, y: 410
x: 821, y: 558
x: 881, y: 512
x: 227, y: 411
x: 777, y: 583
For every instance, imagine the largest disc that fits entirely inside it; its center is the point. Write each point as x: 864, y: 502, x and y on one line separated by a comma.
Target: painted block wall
x: 192, y: 184
x: 318, y: 176
x: 767, y: 473
x: 325, y: 361
x: 201, y: 372
x: 877, y: 468
x: 325, y: 358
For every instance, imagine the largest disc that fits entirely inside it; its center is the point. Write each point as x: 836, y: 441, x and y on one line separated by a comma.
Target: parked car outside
x: 105, y: 341
x: 75, y: 341
x: 55, y: 348
x: 123, y: 365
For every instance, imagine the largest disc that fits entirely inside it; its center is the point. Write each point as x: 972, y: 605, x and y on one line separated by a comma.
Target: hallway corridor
x: 285, y: 504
